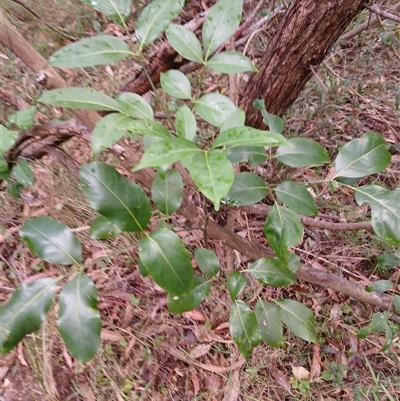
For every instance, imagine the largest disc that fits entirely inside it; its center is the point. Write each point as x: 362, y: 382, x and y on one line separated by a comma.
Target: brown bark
x: 305, y: 35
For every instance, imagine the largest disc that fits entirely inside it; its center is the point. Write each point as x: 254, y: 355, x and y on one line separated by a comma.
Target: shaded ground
x: 142, y: 354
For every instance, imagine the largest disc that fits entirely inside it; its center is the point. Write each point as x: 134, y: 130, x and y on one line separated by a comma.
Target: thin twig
x: 384, y: 14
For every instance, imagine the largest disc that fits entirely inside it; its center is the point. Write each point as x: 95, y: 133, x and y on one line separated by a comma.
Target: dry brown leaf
x: 212, y: 383
x: 315, y: 370
x: 232, y: 388
x: 300, y: 373
x: 195, y: 315
x: 200, y: 350
x: 281, y: 379
x: 87, y: 392
x: 110, y: 335
x: 335, y: 316
x: 130, y: 345
x: 196, y: 383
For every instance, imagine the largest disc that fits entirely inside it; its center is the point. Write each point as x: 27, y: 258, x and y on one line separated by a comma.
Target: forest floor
x: 148, y: 353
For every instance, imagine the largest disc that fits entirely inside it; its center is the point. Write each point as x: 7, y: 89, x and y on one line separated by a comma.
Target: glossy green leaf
x: 155, y: 17
x: 185, y: 42
x: 149, y: 128
x: 88, y: 52
x: 185, y: 303
x: 15, y: 189
x: 247, y: 189
x: 236, y: 283
x: 112, y: 195
x: 165, y: 257
x: 298, y: 318
x: 214, y: 108
x: 363, y: 156
x: 167, y: 151
x: 186, y: 125
x: 283, y: 229
x: 221, y: 23
x: 116, y: 10
x: 248, y: 136
x: 143, y: 271
x: 296, y: 197
x: 294, y: 262
x: 109, y: 130
x: 269, y: 323
x: 176, y: 84
x: 230, y: 62
x: 396, y: 302
x: 207, y: 261
x: 23, y: 173
x: 213, y: 174
x: 378, y: 324
x: 79, y: 319
x: 275, y: 123
x: 235, y: 119
x: 102, y: 228
x: 24, y: 312
x: 385, y: 210
x: 252, y: 154
x: 7, y: 138
x: 388, y: 259
x: 167, y: 191
x: 79, y: 98
x: 24, y: 119
x: 135, y: 106
x: 51, y: 240
x: 244, y: 328
x: 272, y: 271
x: 302, y: 152
x: 379, y: 286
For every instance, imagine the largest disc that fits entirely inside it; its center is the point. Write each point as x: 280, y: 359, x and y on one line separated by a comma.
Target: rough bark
x: 305, y: 35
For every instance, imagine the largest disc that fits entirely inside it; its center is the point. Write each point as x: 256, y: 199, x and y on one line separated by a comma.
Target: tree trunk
x: 305, y: 35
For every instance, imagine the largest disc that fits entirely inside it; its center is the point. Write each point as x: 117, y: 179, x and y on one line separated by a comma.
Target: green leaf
x: 269, y: 323
x: 230, y: 62
x: 176, y: 84
x: 298, y: 318
x: 7, y: 138
x: 247, y: 189
x: 24, y: 312
x: 397, y: 253
x: 244, y: 328
x: 134, y: 105
x: 213, y: 174
x: 15, y: 189
x: 184, y: 303
x: 378, y: 324
x: 363, y: 156
x: 186, y: 125
x: 185, y: 42
x: 296, y: 197
x: 79, y: 98
x: 248, y: 136
x: 116, y: 10
x: 167, y: 191
x: 167, y: 151
x: 24, y: 119
x: 275, y: 123
x: 88, y: 52
x: 235, y: 119
x: 302, y: 152
x: 221, y: 23
x: 388, y: 259
x: 214, y: 108
x: 236, y: 284
x: 293, y: 262
x: 283, y: 229
x: 142, y: 269
x: 109, y: 130
x: 155, y: 17
x: 396, y: 301
x: 149, y: 128
x: 385, y: 210
x: 52, y: 241
x: 207, y: 261
x: 165, y: 257
x: 272, y: 271
x: 102, y: 228
x: 23, y: 173
x: 79, y: 319
x: 253, y: 154
x: 112, y: 195
x: 379, y: 286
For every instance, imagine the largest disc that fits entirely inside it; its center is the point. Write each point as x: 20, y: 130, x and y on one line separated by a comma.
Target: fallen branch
x: 384, y: 14
x: 10, y: 37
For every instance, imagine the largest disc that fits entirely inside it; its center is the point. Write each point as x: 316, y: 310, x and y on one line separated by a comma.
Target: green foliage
x: 123, y: 205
